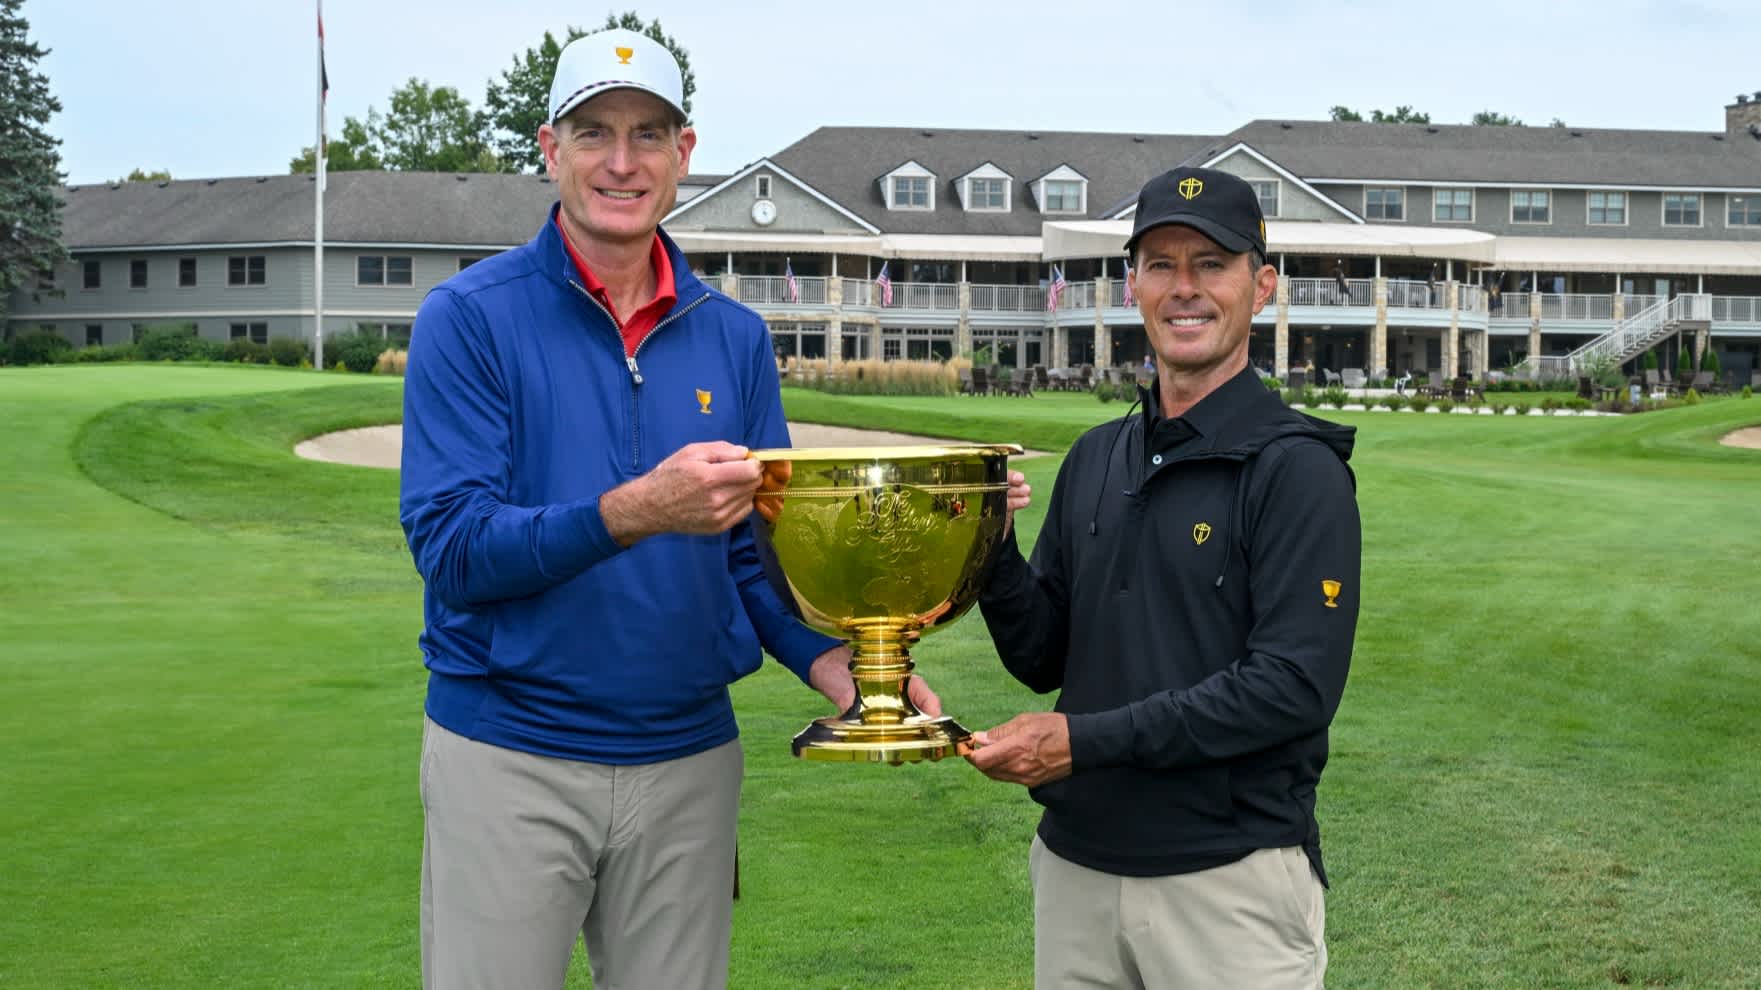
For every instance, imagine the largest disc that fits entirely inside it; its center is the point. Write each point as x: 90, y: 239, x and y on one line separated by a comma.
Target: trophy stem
x: 882, y: 725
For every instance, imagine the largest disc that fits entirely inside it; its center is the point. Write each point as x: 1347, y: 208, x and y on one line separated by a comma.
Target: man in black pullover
x: 1193, y: 597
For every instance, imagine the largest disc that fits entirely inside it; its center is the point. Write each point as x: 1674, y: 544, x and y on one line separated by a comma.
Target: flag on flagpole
x: 886, y: 285
x: 789, y: 283
x: 1130, y: 300
x: 1056, y: 290
x: 323, y: 72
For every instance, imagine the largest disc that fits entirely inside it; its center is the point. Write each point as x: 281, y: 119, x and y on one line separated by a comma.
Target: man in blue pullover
x: 575, y: 494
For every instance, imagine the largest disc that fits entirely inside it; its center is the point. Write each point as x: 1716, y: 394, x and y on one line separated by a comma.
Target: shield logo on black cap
x: 1190, y: 187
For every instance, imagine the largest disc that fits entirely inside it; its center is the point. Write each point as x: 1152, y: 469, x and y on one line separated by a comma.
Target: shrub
x: 288, y: 352
x: 1550, y: 405
x: 391, y: 362
x: 357, y: 352
x: 1692, y: 398
x: 1335, y: 397
x: 1271, y: 383
x: 1577, y: 403
x: 1498, y: 408
x: 1418, y: 403
x: 38, y: 347
x: 1445, y: 405
x: 1748, y: 392
x: 1649, y: 361
x: 244, y: 350
x: 1310, y: 397
x: 1394, y: 403
x: 170, y: 342
x: 1684, y: 362
x: 1106, y: 391
x: 1709, y: 361
x: 100, y: 355
x: 1524, y: 408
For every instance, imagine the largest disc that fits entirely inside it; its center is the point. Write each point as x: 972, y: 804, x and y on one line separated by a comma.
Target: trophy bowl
x: 880, y: 545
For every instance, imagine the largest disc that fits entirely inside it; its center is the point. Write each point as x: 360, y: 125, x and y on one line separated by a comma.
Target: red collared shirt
x: 644, y: 319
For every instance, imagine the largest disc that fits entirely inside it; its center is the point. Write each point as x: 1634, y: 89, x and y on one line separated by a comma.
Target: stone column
x: 1619, y: 303
x: 963, y: 329
x: 1281, y: 330
x: 730, y: 285
x: 834, y: 327
x: 1451, y: 339
x: 1379, y: 333
x: 1535, y: 329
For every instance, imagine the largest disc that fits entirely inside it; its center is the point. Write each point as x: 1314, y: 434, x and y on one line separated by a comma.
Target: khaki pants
x: 1255, y: 924
x: 522, y: 852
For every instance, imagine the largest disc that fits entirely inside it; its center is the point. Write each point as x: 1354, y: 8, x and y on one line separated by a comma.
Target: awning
x: 941, y: 247
x: 1624, y: 255
x: 1106, y: 238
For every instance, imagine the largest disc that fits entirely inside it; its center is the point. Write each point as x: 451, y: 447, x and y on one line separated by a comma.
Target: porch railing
x: 1326, y: 292
x: 1736, y: 309
x: 1576, y: 306
x: 774, y: 290
x: 1009, y: 298
x: 926, y: 295
x: 1513, y: 306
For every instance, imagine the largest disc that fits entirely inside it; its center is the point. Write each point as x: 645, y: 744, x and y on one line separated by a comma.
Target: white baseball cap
x: 616, y: 59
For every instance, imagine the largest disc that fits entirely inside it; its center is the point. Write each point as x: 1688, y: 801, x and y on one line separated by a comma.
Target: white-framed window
x: 1531, y: 206
x: 761, y: 187
x: 910, y: 192
x: 1267, y: 192
x: 467, y: 260
x: 1681, y: 209
x: 1742, y: 211
x: 94, y: 335
x: 1605, y: 209
x: 137, y: 273
x: 247, y: 269
x: 987, y: 194
x: 1452, y: 205
x: 1063, y: 196
x: 186, y: 273
x: 383, y: 269
x: 1381, y: 203
x: 256, y: 333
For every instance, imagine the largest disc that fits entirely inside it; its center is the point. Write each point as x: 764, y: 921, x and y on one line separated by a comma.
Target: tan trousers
x: 521, y: 853
x: 1255, y: 924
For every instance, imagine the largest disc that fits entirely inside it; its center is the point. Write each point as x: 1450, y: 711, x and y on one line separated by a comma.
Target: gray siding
x: 1570, y: 215
x: 1294, y: 202
x: 797, y: 211
x: 284, y: 301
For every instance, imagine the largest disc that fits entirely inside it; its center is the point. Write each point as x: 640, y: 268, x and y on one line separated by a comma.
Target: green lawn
x: 1544, y: 772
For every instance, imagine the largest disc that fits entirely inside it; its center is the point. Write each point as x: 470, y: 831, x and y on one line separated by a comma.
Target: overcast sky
x: 223, y: 87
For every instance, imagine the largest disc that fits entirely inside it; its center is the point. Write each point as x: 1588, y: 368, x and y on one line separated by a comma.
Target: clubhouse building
x: 1400, y: 247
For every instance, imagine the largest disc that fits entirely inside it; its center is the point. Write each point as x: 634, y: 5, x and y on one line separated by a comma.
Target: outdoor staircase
x: 1631, y: 337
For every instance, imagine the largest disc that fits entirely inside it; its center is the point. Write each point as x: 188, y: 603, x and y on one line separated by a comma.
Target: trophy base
x: 917, y: 738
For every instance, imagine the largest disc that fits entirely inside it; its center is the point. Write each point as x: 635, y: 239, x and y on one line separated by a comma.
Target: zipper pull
x: 635, y: 372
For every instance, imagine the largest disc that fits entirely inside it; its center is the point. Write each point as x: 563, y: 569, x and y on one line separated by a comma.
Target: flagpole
x: 318, y: 208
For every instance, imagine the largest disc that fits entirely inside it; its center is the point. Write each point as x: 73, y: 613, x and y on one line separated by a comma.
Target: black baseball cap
x: 1217, y: 204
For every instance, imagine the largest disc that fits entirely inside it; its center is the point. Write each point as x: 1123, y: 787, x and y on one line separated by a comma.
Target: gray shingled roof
x: 364, y: 207
x: 845, y: 162
x: 1462, y: 153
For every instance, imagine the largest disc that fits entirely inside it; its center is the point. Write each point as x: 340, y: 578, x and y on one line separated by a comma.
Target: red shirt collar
x: 665, y: 292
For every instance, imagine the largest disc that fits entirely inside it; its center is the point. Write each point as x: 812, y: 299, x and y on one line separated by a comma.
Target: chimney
x: 1743, y: 114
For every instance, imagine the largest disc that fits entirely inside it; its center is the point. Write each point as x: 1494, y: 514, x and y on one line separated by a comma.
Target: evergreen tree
x: 30, y: 165
x: 516, y: 105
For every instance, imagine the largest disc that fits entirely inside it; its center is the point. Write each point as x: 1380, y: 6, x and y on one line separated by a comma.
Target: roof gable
x: 766, y: 164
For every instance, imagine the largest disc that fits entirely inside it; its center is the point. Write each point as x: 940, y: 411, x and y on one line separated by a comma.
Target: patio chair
x: 1703, y: 382
x: 1353, y: 378
x: 965, y: 381
x: 1041, y: 379
x: 1433, y: 386
x: 1755, y: 380
x: 981, y: 381
x: 1461, y: 389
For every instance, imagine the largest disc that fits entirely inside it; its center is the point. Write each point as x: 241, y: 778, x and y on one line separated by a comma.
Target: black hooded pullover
x: 1194, y: 593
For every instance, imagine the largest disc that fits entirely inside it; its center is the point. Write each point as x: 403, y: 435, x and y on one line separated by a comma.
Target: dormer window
x: 1062, y: 190
x: 985, y: 189
x: 909, y: 187
x: 762, y: 187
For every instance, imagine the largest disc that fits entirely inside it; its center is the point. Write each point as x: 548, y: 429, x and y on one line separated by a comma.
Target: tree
x: 431, y: 130
x: 30, y: 165
x: 1401, y: 115
x: 517, y: 104
x: 138, y: 175
x: 1556, y: 122
x: 352, y: 152
x: 1492, y: 118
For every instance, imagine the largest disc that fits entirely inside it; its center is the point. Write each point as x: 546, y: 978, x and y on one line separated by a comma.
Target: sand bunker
x: 379, y: 446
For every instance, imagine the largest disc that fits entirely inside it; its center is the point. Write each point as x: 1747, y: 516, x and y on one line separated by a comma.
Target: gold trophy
x: 880, y: 545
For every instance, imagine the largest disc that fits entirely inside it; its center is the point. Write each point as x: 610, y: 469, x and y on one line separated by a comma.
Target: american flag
x: 1056, y: 290
x: 1130, y: 300
x: 886, y: 285
x: 323, y: 71
x: 792, y: 287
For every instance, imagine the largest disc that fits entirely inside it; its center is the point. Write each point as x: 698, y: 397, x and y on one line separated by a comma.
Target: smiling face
x: 1198, y: 302
x: 617, y: 160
